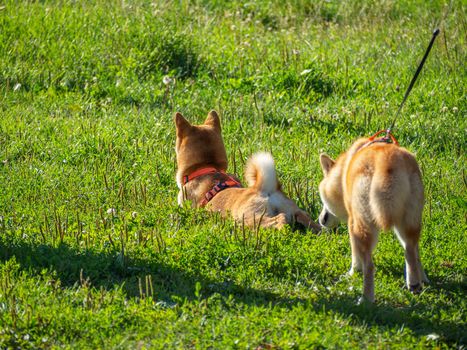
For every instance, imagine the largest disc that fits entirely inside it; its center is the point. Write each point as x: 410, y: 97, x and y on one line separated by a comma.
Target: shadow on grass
x: 437, y: 283
x: 423, y: 317
x: 105, y: 270
x: 391, y: 317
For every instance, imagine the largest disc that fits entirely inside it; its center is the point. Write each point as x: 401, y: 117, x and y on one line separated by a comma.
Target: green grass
x: 86, y: 127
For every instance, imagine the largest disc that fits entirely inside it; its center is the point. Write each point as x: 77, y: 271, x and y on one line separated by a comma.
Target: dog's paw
x: 315, y: 228
x: 415, y: 288
x: 366, y: 300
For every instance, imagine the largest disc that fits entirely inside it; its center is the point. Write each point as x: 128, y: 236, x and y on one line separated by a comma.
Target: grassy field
x: 95, y: 252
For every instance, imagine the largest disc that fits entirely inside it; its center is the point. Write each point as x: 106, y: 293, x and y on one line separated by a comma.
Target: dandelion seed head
x: 432, y: 336
x: 167, y: 80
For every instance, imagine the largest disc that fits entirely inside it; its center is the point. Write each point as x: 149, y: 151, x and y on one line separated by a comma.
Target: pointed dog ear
x: 213, y: 120
x: 181, y: 123
x: 326, y: 163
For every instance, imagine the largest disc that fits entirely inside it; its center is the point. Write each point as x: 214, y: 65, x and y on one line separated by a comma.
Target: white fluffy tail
x: 260, y: 172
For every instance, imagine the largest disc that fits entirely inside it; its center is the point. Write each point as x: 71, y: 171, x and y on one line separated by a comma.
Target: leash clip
x: 388, y: 138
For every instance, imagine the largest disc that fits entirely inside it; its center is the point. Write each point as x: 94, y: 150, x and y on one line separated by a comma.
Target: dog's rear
x: 386, y: 180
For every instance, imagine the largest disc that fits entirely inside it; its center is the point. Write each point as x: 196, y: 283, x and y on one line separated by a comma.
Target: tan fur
x: 201, y: 146
x: 373, y: 187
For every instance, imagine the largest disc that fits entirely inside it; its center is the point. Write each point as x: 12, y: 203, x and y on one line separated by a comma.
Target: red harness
x: 388, y: 138
x: 220, y: 186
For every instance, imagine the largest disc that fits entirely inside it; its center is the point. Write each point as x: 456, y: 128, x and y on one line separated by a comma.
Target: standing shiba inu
x: 202, y: 179
x: 375, y: 185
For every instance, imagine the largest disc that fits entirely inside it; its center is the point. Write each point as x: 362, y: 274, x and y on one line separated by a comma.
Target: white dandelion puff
x: 167, y: 80
x: 432, y: 336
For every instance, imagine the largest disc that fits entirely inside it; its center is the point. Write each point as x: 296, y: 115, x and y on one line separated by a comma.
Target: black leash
x: 414, y: 79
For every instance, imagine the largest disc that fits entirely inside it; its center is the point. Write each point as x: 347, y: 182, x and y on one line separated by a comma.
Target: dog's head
x: 199, y: 145
x: 330, y: 191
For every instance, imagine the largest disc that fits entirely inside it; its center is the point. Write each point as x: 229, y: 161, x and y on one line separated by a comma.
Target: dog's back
x: 383, y: 183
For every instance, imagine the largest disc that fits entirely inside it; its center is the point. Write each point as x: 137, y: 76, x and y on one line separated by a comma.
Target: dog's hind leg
x: 278, y: 221
x: 422, y: 271
x: 415, y: 275
x: 363, y: 240
x: 303, y: 218
x: 264, y: 220
x: 356, y: 258
x: 408, y: 231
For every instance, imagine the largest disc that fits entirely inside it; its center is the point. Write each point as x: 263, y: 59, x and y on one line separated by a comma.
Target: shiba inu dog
x: 375, y: 185
x: 202, y: 179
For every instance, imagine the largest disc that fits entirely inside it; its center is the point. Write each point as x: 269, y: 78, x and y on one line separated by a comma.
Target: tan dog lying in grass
x: 375, y: 185
x: 202, y: 179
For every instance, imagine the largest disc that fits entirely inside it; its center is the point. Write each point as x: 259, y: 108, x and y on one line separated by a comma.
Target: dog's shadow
x: 106, y: 270
x: 388, y: 317
x: 109, y: 269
